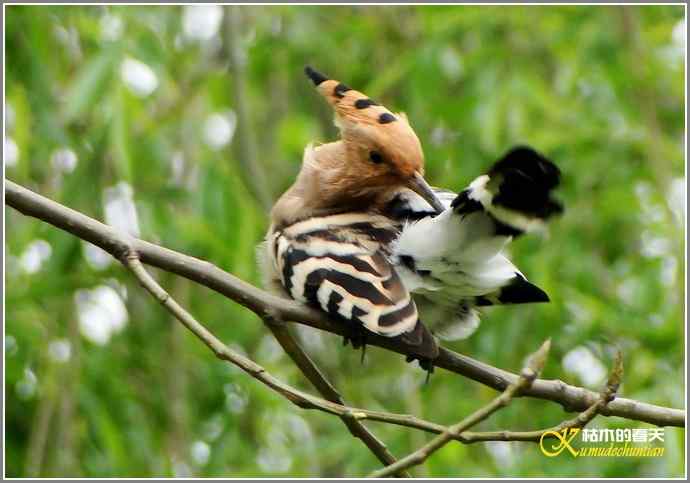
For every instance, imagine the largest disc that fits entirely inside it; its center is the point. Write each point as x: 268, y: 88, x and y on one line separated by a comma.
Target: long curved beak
x: 419, y: 185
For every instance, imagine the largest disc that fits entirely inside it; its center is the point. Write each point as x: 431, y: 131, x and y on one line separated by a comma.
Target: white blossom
x: 101, y: 313
x: 201, y: 22
x: 60, y: 350
x: 201, y: 452
x: 583, y: 363
x: 120, y: 211
x: 138, y: 77
x: 35, y: 254
x: 11, y: 154
x: 111, y: 27
x: 219, y: 129
x: 64, y: 160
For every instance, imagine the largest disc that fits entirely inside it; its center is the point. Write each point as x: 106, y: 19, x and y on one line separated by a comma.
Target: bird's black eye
x: 375, y: 157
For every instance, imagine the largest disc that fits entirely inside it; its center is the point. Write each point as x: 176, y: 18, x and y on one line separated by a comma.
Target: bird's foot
x: 358, y: 339
x: 425, y: 363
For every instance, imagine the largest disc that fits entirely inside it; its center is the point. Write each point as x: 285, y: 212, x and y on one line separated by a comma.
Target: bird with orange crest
x: 362, y: 236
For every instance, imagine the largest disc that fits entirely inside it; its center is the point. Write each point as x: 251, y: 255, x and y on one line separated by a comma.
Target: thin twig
x: 572, y: 398
x: 311, y: 371
x: 527, y: 377
x: 607, y: 395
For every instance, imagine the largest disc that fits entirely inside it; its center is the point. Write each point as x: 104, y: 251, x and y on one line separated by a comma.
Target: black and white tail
x: 515, y: 193
x: 454, y: 260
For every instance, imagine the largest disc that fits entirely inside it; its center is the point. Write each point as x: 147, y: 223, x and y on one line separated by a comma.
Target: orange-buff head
x: 381, y: 149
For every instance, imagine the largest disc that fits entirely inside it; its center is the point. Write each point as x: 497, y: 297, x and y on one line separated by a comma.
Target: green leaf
x: 91, y: 84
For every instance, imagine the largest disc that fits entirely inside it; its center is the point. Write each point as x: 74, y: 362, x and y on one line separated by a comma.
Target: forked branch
x: 572, y: 398
x: 533, y: 367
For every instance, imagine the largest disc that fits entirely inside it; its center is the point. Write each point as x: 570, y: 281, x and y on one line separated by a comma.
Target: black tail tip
x: 315, y: 76
x: 527, y: 180
x: 520, y: 291
x: 531, y: 163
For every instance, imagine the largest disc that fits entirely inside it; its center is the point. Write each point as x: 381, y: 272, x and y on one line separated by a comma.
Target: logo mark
x: 564, y: 438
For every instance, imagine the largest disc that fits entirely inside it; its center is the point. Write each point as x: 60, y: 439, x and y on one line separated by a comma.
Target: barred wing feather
x: 338, y: 263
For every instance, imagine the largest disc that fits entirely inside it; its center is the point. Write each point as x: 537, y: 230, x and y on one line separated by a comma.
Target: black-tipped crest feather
x: 315, y: 76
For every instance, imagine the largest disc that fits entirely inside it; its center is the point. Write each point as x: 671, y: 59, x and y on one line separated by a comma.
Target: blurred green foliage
x: 147, y: 96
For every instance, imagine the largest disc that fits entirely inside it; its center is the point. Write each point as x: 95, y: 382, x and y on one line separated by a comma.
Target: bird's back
x: 341, y: 263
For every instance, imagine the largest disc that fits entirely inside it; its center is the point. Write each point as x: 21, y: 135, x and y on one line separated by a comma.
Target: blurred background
x: 181, y: 125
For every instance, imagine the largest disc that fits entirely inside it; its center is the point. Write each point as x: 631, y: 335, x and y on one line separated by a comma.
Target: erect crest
x: 360, y: 117
x: 349, y: 104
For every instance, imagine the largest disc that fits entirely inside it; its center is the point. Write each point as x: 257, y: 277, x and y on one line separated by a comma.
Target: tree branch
x: 572, y: 398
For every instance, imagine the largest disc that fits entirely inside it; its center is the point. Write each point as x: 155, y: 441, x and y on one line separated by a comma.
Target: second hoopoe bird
x: 363, y: 237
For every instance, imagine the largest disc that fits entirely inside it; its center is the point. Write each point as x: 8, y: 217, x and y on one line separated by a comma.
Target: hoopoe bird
x: 362, y: 236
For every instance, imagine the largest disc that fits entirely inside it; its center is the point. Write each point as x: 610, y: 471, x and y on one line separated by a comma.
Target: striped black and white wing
x: 339, y: 264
